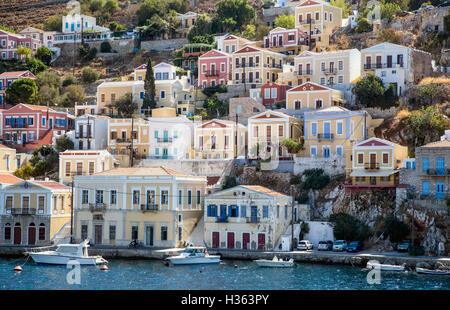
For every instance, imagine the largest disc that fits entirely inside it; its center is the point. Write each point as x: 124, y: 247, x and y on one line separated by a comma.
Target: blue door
x: 254, y: 211
x: 50, y: 124
x: 24, y: 138
x: 440, y: 166
x: 326, y: 152
x: 223, y: 211
x: 439, y: 190
x: 326, y: 130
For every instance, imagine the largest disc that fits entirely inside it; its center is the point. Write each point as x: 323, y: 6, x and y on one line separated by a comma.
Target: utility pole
x: 292, y: 217
x: 73, y: 56
x: 310, y: 36
x: 131, y: 149
x: 82, y: 30
x: 71, y: 210
x: 412, y: 226
x: 236, y: 137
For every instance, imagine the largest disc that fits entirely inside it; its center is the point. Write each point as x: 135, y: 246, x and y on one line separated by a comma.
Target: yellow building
x: 164, y: 112
x: 109, y: 92
x: 33, y: 212
x: 267, y: 130
x: 234, y: 43
x: 121, y: 138
x: 312, y: 96
x: 374, y: 163
x: 318, y: 19
x: 8, y: 162
x: 328, y: 68
x: 83, y: 162
x: 155, y: 205
x: 187, y: 20
x: 255, y: 65
x: 217, y: 139
x: 246, y: 217
x: 332, y: 131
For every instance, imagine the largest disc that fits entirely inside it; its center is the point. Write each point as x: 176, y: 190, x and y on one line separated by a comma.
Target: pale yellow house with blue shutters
x: 333, y: 130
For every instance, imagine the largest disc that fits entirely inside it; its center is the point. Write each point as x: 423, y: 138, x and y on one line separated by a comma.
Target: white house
x: 91, y: 132
x: 74, y: 25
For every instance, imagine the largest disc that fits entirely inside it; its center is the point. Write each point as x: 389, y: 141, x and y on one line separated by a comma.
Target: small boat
x: 385, y: 267
x: 65, y: 253
x: 194, y: 255
x: 433, y: 272
x: 275, y: 262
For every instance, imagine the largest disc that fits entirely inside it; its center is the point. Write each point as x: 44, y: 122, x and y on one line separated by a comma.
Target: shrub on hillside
x: 348, y: 227
x: 315, y: 179
x: 105, y: 47
x: 89, y: 75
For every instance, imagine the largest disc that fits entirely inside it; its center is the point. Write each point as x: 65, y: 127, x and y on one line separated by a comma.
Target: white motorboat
x: 385, y: 267
x: 275, y: 262
x: 67, y: 252
x: 433, y: 272
x: 194, y: 255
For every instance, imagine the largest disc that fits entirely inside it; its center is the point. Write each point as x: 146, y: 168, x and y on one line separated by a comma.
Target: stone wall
x: 200, y: 167
x: 159, y: 45
x: 319, y: 231
x: 122, y: 47
x: 333, y: 165
x: 249, y: 107
x: 269, y: 15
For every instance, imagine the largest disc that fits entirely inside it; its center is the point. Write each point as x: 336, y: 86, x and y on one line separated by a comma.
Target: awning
x: 364, y: 173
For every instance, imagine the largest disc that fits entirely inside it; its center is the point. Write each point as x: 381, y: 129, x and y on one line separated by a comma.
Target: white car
x: 305, y: 245
x: 340, y: 245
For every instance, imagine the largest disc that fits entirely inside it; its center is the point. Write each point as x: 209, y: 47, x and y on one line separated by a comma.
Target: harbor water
x: 245, y: 275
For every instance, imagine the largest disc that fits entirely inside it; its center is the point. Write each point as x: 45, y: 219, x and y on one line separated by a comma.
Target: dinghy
x: 433, y: 272
x: 275, y: 262
x: 385, y: 267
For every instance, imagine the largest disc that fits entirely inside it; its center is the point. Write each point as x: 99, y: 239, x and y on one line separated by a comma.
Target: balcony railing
x: 164, y: 140
x: 222, y: 219
x: 123, y: 140
x: 81, y: 134
x: 212, y: 73
x: 274, y: 66
x: 372, y: 166
x: 149, y: 207
x: 440, y: 171
x: 303, y: 72
x: 23, y: 211
x: 373, y: 66
x: 330, y: 71
x: 247, y: 65
x: 325, y: 136
x: 307, y: 22
x: 98, y: 206
x: 253, y: 219
x: 17, y: 125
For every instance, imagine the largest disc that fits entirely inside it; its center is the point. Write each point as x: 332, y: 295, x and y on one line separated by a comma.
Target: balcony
x: 222, y: 219
x: 253, y: 219
x: 149, y: 207
x: 80, y: 135
x: 19, y: 126
x: 98, y: 206
x: 212, y: 73
x: 247, y: 65
x: 438, y: 172
x: 303, y: 73
x: 330, y: 71
x: 325, y: 136
x: 23, y: 211
x: 372, y: 166
x: 371, y: 66
x: 273, y: 66
x: 307, y: 22
x: 123, y: 140
x: 164, y: 140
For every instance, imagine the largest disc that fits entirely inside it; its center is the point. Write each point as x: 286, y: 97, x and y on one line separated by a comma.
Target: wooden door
x: 98, y: 234
x: 215, y: 239
x: 31, y: 235
x: 230, y: 239
x: 245, y: 240
x: 17, y: 235
x: 261, y: 241
x: 373, y: 161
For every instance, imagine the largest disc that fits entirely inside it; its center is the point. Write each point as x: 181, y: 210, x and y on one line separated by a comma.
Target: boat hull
x: 63, y: 260
x: 386, y: 267
x: 432, y: 272
x: 194, y: 260
x: 269, y: 263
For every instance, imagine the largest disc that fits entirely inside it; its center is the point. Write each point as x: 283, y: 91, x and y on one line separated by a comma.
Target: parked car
x: 355, y: 246
x: 403, y: 246
x: 340, y: 245
x: 305, y: 245
x: 325, y: 245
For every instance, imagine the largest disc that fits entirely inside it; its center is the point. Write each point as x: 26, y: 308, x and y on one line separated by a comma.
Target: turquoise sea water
x: 152, y: 274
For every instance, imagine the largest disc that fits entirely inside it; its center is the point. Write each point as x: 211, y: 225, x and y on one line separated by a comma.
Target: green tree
x: 73, y: 94
x: 229, y: 182
x: 428, y: 93
x: 96, y: 5
x: 345, y: 6
x: 24, y: 51
x: 53, y: 23
x: 249, y: 32
x: 238, y: 10
x: 292, y: 146
x: 21, y: 91
x: 149, y: 101
x: 89, y: 75
x: 25, y: 172
x: 64, y: 143
x: 148, y: 9
x: 389, y: 35
x: 126, y: 106
x: 390, y: 99
x: 156, y: 27
x: 285, y: 21
x: 43, y: 160
x: 180, y: 6
x: 202, y: 27
x: 50, y: 79
x: 267, y: 4
x: 35, y: 65
x: 424, y: 126
x: 369, y: 90
x: 348, y: 227
x: 395, y: 229
x: 69, y: 80
x: 44, y: 54
x: 228, y: 24
x: 105, y: 47
x: 116, y: 27
x: 389, y: 9
x: 111, y: 6
x: 363, y: 25
x: 214, y: 107
x: 87, y: 53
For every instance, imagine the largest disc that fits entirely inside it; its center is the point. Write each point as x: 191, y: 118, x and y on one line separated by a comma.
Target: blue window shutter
x: 313, y: 129
x: 414, y: 165
x: 243, y: 211
x: 425, y: 163
x: 237, y: 211
x: 425, y: 188
x: 229, y: 210
x: 208, y: 211
x: 265, y: 211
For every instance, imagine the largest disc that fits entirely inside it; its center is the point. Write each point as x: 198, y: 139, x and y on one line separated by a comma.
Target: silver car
x: 340, y: 245
x: 305, y: 245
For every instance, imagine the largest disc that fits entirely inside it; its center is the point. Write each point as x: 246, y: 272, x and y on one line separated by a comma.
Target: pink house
x: 214, y: 68
x: 10, y: 41
x: 24, y: 123
x: 6, y: 78
x: 272, y: 93
x: 285, y: 39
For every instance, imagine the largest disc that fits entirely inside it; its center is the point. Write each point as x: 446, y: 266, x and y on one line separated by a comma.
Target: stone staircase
x: 63, y: 235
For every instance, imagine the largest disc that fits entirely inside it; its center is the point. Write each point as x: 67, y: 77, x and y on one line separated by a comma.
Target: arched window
x: 42, y: 231
x: 7, y: 235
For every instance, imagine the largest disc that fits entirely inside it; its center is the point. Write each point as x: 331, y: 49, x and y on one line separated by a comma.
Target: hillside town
x: 234, y: 125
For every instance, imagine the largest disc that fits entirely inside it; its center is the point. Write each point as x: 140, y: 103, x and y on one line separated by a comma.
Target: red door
x: 245, y: 240
x: 261, y: 241
x: 230, y: 239
x: 17, y: 235
x: 215, y: 239
x: 31, y: 235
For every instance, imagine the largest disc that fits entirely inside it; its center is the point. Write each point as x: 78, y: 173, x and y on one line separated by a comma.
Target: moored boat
x: 385, y: 267
x: 432, y: 272
x: 194, y: 255
x: 65, y: 253
x: 275, y: 262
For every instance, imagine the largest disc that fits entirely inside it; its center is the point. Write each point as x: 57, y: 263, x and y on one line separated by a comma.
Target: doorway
x: 31, y: 234
x: 230, y: 240
x: 98, y: 229
x: 261, y: 241
x: 17, y: 234
x: 215, y: 239
x: 245, y: 241
x: 149, y: 235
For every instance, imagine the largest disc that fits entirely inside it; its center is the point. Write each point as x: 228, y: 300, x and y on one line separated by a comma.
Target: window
x: 267, y: 93
x: 43, y: 122
x: 298, y: 104
x: 256, y: 131
x: 340, y: 79
x: 7, y: 235
x: 425, y: 188
x: 243, y: 211
x: 339, y: 128
x: 280, y: 130
x: 99, y: 196
x: 85, y: 196
x: 322, y: 81
x: 180, y: 197
x: 113, y: 98
x: 164, y: 197
x: 360, y: 158
x: 313, y: 129
x: 113, y: 197
x: 313, y: 151
x: 285, y: 211
x: 136, y: 197
x: 233, y: 211
x: 189, y: 197
x: 25, y: 202
x: 163, y: 232
x: 91, y: 168
x: 9, y: 202
x: 385, y: 158
x: 112, y: 232
x: 339, y: 150
x: 84, y: 232
x: 212, y: 211
x: 274, y: 93
x: 425, y: 163
x: 67, y: 168
x: 41, y: 204
x: 163, y: 94
x: 134, y: 232
x: 265, y: 211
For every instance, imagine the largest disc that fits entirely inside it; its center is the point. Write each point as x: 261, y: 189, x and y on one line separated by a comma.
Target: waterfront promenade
x: 314, y: 256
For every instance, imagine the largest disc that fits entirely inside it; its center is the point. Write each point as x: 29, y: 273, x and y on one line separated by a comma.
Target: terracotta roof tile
x: 7, y: 178
x: 443, y: 143
x: 264, y: 190
x: 51, y: 184
x: 141, y: 171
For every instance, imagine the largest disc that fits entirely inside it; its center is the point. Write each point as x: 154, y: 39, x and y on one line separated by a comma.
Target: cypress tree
x: 149, y: 88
